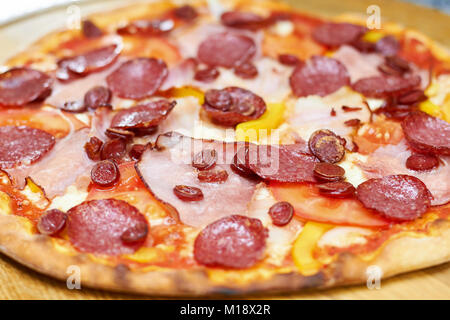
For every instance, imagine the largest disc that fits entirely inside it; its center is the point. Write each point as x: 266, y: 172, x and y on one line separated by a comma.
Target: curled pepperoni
x: 213, y: 176
x: 187, y: 193
x: 137, y: 78
x: 90, y: 30
x: 289, y: 59
x: 19, y: 86
x: 336, y: 34
x: 207, y: 74
x: 143, y: 115
x: 52, y: 222
x: 319, y: 76
x: 397, y: 197
x: 93, y: 148
x: 233, y: 242
x: 113, y: 149
x: 97, y: 226
x: 185, y: 12
x: 23, y: 145
x: 243, y: 20
x: 387, y: 46
x: 337, y: 189
x: 147, y: 28
x: 233, y: 105
x: 421, y: 162
x: 328, y: 172
x: 135, y: 234
x: 246, y: 70
x: 240, y: 163
x: 281, y: 213
x: 205, y: 159
x: 105, y: 173
x: 426, y: 133
x: 382, y: 86
x: 115, y: 133
x: 226, y: 50
x: 136, y: 151
x: 96, y: 97
x: 327, y: 146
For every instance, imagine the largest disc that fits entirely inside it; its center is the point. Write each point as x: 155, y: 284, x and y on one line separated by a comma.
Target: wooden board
x: 18, y: 282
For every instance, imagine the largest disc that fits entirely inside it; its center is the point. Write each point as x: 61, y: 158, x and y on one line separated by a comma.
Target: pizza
x: 225, y: 147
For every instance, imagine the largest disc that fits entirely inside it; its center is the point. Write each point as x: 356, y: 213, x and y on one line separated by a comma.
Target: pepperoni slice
x: 234, y: 242
x: 137, y: 78
x: 148, y: 28
x: 412, y: 97
x: 426, y: 133
x: 387, y: 46
x: 205, y: 159
x: 336, y: 34
x: 90, y: 30
x: 207, y: 74
x: 421, y: 162
x: 382, y: 86
x: 327, y: 146
x: 289, y: 59
x: 319, y: 76
x: 52, y: 222
x: 19, y: 86
x: 328, y: 172
x: 396, y: 197
x: 185, y: 12
x: 97, y: 226
x: 226, y: 50
x: 281, y: 213
x: 213, y: 176
x: 246, y: 70
x: 243, y: 20
x: 105, y: 173
x: 233, y: 105
x: 187, y: 193
x: 143, y: 115
x: 337, y: 189
x: 23, y: 145
x: 136, y: 151
x: 113, y: 149
x: 93, y: 148
x: 96, y: 97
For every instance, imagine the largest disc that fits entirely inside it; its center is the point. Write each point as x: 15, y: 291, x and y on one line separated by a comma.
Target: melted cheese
x: 344, y: 237
x: 70, y: 199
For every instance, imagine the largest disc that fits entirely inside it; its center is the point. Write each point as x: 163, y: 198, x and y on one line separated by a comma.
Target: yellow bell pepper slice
x: 373, y: 36
x: 254, y: 129
x: 432, y: 90
x: 187, y: 92
x: 302, y: 251
x: 429, y: 107
x: 143, y: 255
x: 329, y: 54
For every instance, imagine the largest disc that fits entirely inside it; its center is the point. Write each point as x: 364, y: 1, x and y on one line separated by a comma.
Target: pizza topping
x: 136, y: 151
x: 147, y: 28
x: 397, y: 197
x: 93, y: 147
x: 350, y: 109
x: 113, y: 149
x: 51, y: 222
x: 226, y: 50
x: 233, y: 105
x: 422, y: 162
x: 289, y: 59
x: 213, y: 176
x: 352, y: 122
x: 412, y: 97
x: 246, y: 70
x: 90, y: 30
x: 205, y: 159
x: 243, y: 20
x: 97, y: 226
x: 328, y: 172
x: 427, y: 134
x: 233, y: 242
x: 337, y: 189
x: 397, y: 63
x: 187, y: 193
x: 19, y: 86
x: 319, y: 76
x: 114, y: 133
x: 73, y: 106
x: 207, y: 74
x: 23, y: 145
x: 96, y: 97
x: 336, y: 34
x: 387, y: 46
x: 281, y: 213
x: 185, y: 12
x: 105, y: 173
x: 138, y: 78
x: 143, y: 116
x: 382, y: 86
x: 327, y: 146
x: 135, y: 234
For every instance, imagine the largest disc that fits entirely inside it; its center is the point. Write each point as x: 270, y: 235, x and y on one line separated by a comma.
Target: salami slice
x: 226, y: 50
x: 97, y: 226
x: 387, y: 46
x: 397, y: 197
x: 386, y: 85
x: 244, y: 20
x: 337, y: 34
x: 19, y: 86
x: 137, y: 78
x: 143, y: 116
x: 23, y: 145
x: 234, y: 242
x: 319, y: 76
x: 426, y: 133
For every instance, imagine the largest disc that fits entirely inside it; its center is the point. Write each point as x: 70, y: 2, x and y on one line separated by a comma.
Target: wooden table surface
x: 18, y: 282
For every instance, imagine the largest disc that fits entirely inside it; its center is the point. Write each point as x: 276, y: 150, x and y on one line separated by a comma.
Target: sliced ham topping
x: 171, y: 165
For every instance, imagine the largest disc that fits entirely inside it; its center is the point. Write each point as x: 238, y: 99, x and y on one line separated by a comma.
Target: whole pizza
x: 225, y: 147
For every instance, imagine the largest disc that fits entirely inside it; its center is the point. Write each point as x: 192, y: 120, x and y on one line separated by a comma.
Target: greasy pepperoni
x: 319, y: 76
x: 96, y: 97
x: 336, y: 34
x: 93, y: 147
x: 23, y: 145
x: 207, y: 74
x: 327, y: 146
x: 426, y: 133
x: 135, y: 234
x: 187, y: 193
x: 382, y: 86
x: 97, y: 226
x: 243, y: 20
x: 246, y: 70
x: 233, y: 242
x: 147, y: 28
x: 115, y: 133
x: 137, y: 78
x: 328, y: 172
x: 185, y: 12
x: 337, y: 189
x: 215, y: 175
x: 387, y: 46
x: 289, y: 59
x: 240, y: 163
x: 136, y: 151
x: 281, y: 213
x: 51, y: 222
x: 73, y: 106
x: 397, y: 63
x: 105, y: 173
x: 113, y: 149
x: 226, y: 50
x: 143, y: 116
x: 421, y: 162
x: 205, y: 159
x: 411, y: 97
x: 244, y: 105
x: 19, y: 86
x: 90, y: 30
x: 397, y: 197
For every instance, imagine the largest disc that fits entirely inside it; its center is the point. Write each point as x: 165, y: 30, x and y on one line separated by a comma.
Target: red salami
x: 281, y: 213
x: 23, y: 145
x: 96, y: 97
x: 19, y: 86
x: 137, y: 78
x: 233, y: 242
x: 383, y: 86
x: 320, y: 76
x: 427, y: 134
x: 387, y: 46
x: 97, y: 226
x: 422, y: 162
x: 336, y: 34
x: 52, y: 222
x: 90, y: 30
x: 105, y: 173
x: 243, y: 20
x: 397, y: 197
x: 226, y: 50
x: 233, y: 105
x: 327, y: 146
